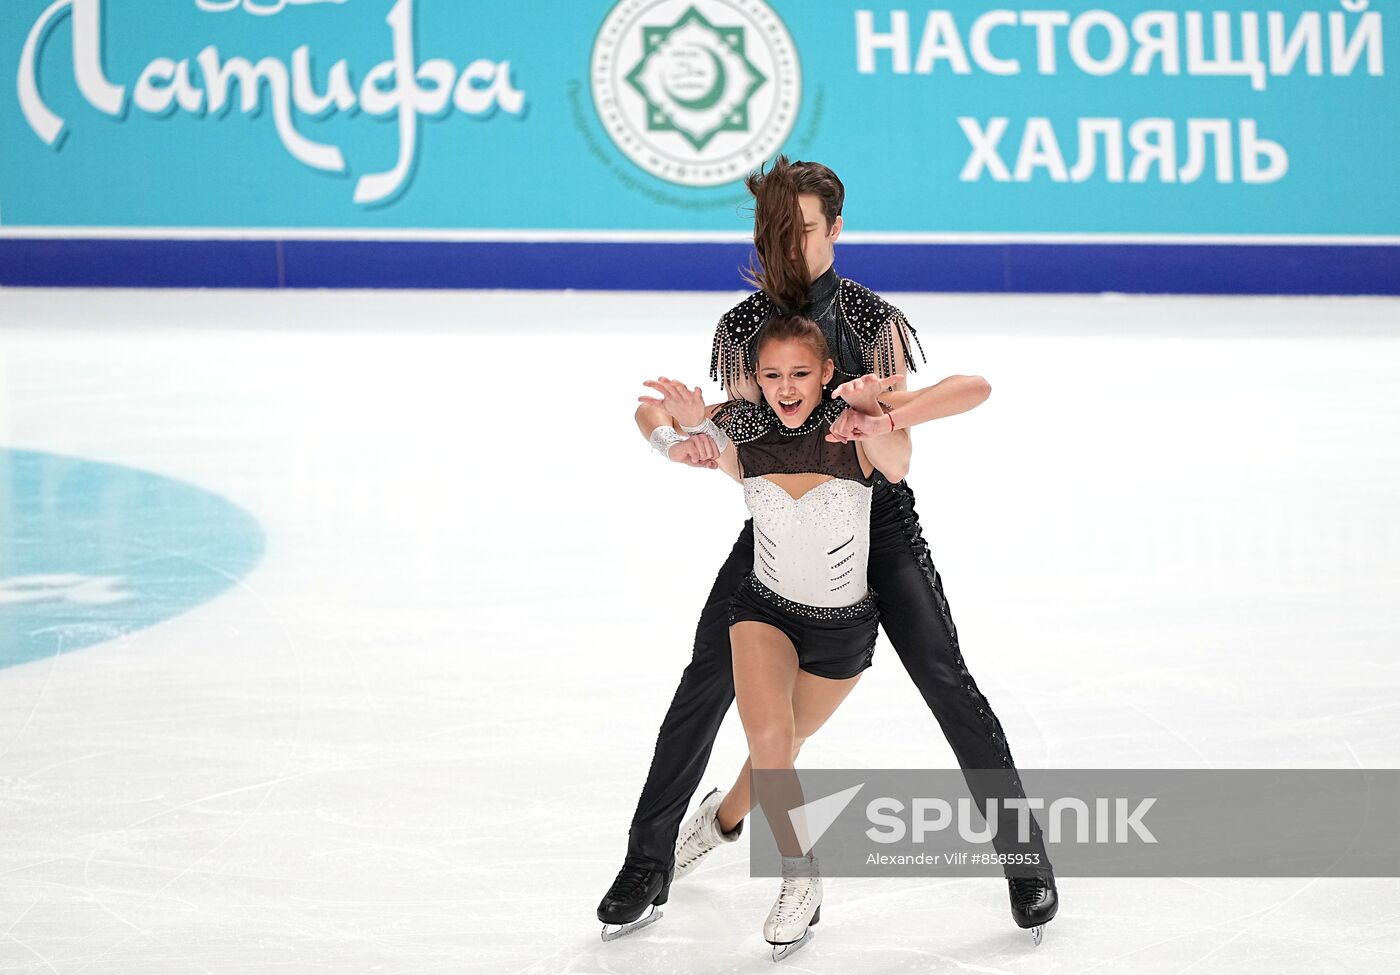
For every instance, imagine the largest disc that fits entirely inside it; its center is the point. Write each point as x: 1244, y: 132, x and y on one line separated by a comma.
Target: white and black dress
x: 810, y: 552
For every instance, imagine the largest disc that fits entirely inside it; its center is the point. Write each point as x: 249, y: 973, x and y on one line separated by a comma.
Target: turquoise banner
x: 592, y: 119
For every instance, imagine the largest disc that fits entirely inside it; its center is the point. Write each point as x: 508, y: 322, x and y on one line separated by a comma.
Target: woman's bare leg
x: 738, y: 801
x: 765, y: 672
x: 780, y: 706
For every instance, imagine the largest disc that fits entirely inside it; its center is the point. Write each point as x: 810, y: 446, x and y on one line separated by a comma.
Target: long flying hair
x: 781, y: 271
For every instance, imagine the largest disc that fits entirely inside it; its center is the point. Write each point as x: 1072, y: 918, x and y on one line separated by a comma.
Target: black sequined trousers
x: 918, y: 624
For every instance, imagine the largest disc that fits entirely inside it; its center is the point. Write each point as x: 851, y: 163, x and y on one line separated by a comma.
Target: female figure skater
x: 804, y: 621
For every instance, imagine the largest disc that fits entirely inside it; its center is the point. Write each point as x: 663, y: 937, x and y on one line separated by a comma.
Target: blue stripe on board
x: 1138, y: 268
x: 129, y: 263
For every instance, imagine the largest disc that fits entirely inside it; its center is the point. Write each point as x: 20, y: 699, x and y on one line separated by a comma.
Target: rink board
x: 1297, y: 269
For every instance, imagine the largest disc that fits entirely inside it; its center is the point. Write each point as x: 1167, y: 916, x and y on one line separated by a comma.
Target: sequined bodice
x: 812, y: 549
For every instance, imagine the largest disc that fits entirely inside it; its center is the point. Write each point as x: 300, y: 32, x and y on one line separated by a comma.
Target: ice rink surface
x: 410, y: 739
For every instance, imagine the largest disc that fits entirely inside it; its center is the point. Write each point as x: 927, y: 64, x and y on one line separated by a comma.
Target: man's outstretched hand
x: 863, y: 393
x: 855, y: 425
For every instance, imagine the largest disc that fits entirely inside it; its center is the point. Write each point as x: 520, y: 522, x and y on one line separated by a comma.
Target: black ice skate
x: 1034, y: 901
x: 631, y: 901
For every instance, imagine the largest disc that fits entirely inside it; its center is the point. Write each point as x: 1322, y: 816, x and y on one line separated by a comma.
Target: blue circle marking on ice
x: 90, y: 551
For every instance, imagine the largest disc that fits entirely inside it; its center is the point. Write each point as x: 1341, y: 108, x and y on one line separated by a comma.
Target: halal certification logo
x: 697, y: 92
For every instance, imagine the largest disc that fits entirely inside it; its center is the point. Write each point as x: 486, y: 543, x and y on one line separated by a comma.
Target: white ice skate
x: 701, y: 833
x: 799, y: 906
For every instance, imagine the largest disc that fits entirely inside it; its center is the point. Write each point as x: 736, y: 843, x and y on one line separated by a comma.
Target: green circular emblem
x: 696, y: 92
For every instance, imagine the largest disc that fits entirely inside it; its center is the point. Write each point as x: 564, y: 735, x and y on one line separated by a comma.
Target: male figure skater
x: 797, y: 220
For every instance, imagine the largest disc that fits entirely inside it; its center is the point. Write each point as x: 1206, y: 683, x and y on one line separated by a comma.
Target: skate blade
x: 611, y: 932
x: 1037, y: 933
x: 788, y: 950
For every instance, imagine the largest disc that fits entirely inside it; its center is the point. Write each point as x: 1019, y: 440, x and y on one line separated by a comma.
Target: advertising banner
x: 463, y: 131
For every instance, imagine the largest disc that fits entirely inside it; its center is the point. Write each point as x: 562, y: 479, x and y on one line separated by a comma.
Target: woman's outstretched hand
x: 685, y: 404
x: 862, y: 394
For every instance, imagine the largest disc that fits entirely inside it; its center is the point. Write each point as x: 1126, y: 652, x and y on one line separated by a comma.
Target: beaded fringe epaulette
x: 876, y: 322
x: 730, y: 352
x: 872, y: 320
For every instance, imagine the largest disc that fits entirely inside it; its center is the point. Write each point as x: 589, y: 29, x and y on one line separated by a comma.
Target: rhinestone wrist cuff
x: 721, y: 440
x: 663, y: 438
